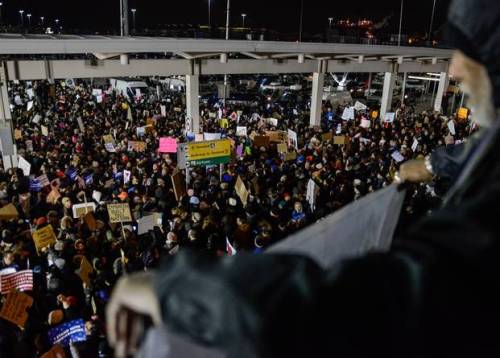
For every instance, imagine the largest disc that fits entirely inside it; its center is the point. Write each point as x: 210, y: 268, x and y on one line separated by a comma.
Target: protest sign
x: 397, y: 157
x: 451, y: 127
x: 163, y: 110
x: 29, y: 145
x: 290, y: 156
x: 136, y: 146
x: 18, y: 134
x: 292, y: 139
x: 339, y: 140
x: 277, y: 136
x: 119, y: 213
x: 15, y: 308
x: 365, y: 123
x: 348, y: 114
x: 414, y: 145
x: 272, y: 121
x: 85, y: 270
x: 126, y: 176
x: 389, y: 117
x: 212, y: 136
x: 9, y: 212
x: 44, y: 237
x: 43, y: 180
x: 90, y: 221
x: 312, y: 191
x: 80, y: 210
x: 360, y: 106
x: 69, y: 332
x: 374, y: 114
x: 168, y: 145
x: 327, y: 137
x: 109, y: 143
x: 241, y: 131
x: 141, y: 131
x: 239, y: 151
x: 282, y: 148
x: 80, y: 124
x: 45, y: 131
x: 147, y: 223
x: 96, y: 195
x: 178, y: 185
x: 261, y: 141
x: 24, y: 165
x: 21, y: 281
x: 241, y: 191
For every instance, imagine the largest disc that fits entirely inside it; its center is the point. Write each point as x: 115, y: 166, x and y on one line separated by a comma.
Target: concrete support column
x: 387, y: 94
x: 7, y: 146
x: 317, y: 98
x: 193, y: 101
x: 444, y: 81
x: 403, y: 91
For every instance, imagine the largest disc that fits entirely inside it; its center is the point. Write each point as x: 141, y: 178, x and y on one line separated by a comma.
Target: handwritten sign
x: 18, y: 134
x: 282, y: 148
x: 15, y: 308
x: 389, y: 117
x: 85, y: 270
x: 241, y: 131
x: 119, y: 213
x: 178, y: 185
x: 277, y: 136
x: 80, y: 210
x: 241, y: 191
x: 44, y: 237
x: 339, y: 140
x: 348, y: 114
x: 365, y: 123
x: 168, y: 145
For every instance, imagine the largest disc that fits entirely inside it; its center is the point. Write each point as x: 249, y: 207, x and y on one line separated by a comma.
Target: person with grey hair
x: 436, y: 294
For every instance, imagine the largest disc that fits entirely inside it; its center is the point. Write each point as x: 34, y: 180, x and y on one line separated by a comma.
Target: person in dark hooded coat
x: 436, y: 294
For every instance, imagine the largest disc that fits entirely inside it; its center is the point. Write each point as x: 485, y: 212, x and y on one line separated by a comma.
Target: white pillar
x: 403, y: 91
x: 7, y: 142
x: 317, y: 98
x: 387, y: 94
x: 193, y: 101
x: 444, y: 80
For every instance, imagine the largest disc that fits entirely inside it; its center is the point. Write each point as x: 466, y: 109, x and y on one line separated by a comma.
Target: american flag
x: 22, y: 280
x: 43, y: 180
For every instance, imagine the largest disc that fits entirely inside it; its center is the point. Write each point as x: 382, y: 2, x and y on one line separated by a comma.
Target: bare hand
x: 414, y: 171
x: 133, y: 299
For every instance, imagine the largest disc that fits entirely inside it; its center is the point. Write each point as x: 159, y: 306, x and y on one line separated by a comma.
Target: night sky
x: 279, y: 15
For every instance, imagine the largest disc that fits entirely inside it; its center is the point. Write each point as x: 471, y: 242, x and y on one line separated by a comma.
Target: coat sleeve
x: 447, y: 161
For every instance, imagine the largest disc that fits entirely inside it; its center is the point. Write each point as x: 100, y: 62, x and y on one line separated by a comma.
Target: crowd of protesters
x: 59, y: 131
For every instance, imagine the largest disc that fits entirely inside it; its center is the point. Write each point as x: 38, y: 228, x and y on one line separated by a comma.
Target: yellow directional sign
x: 208, y: 152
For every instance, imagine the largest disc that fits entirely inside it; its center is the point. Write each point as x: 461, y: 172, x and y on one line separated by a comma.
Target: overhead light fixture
x: 424, y: 78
